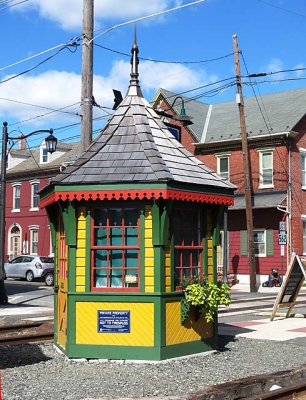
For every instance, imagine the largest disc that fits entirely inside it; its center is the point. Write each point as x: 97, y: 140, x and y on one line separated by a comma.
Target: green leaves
x: 206, y: 296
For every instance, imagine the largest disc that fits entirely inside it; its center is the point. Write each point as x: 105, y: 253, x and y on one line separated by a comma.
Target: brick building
x: 277, y: 153
x: 28, y: 171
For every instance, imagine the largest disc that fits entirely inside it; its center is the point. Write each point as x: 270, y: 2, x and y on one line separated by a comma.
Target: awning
x: 260, y: 200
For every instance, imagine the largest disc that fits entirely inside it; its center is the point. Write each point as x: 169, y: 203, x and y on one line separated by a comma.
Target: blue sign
x: 113, y: 321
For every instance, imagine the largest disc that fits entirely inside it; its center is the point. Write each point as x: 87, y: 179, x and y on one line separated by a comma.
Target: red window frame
x: 182, y: 230
x: 109, y: 248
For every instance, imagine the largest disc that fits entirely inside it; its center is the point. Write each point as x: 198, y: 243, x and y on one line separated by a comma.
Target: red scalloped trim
x: 138, y: 194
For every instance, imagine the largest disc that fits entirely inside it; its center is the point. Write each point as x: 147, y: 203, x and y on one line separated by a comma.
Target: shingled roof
x: 136, y: 147
x: 215, y: 123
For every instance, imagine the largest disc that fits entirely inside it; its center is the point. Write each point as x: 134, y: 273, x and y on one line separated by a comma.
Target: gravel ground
x: 39, y: 372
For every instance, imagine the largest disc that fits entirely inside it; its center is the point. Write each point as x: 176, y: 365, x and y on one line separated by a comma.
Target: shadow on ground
x: 223, y: 341
x: 17, y: 356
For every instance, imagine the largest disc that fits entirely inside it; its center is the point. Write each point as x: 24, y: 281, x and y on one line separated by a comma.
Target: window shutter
x: 270, y: 242
x: 244, y: 243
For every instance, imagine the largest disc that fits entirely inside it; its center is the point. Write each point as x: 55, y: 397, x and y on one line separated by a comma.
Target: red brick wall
x: 25, y: 217
x: 268, y: 219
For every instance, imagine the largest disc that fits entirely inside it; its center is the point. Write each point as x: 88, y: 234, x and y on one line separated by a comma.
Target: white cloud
x: 68, y: 13
x: 57, y: 89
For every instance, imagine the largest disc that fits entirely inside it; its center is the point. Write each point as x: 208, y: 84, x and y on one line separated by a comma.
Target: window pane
x: 100, y: 217
x: 116, y: 263
x: 100, y: 237
x: 115, y: 217
x: 267, y: 160
x: 223, y: 164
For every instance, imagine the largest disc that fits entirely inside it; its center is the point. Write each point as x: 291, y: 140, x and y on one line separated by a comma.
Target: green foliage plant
x: 205, y: 296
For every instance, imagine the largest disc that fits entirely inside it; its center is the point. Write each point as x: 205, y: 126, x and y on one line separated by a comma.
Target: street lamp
x: 183, y: 117
x: 51, y: 143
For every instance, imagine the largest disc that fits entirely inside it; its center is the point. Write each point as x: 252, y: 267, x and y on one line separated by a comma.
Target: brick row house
x: 277, y: 153
x: 28, y: 171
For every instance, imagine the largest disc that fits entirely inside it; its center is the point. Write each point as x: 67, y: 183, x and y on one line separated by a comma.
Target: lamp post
x: 51, y: 143
x: 183, y: 117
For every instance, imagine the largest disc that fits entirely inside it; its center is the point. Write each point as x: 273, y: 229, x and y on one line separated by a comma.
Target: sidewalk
x: 262, y: 303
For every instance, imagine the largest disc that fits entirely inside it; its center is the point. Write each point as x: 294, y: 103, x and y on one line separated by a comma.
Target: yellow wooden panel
x: 80, y: 280
x: 210, y: 252
x: 80, y: 262
x: 149, y: 252
x: 81, y: 234
x: 81, y: 224
x: 149, y: 281
x: 81, y: 253
x: 149, y: 289
x: 141, y: 320
x: 210, y: 270
x: 168, y: 271
x: 81, y: 243
x: 148, y: 224
x: 80, y: 288
x: 148, y: 243
x: 189, y: 332
x: 168, y: 281
x: 149, y: 271
x: 80, y: 271
x: 149, y: 261
x: 168, y: 289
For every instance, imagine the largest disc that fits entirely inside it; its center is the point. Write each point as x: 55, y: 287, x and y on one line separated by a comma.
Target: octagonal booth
x: 134, y: 215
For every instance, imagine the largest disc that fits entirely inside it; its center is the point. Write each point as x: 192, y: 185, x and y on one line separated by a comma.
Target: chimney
x: 22, y: 142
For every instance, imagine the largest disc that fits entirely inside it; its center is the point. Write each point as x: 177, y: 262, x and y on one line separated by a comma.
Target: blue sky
x: 271, y: 36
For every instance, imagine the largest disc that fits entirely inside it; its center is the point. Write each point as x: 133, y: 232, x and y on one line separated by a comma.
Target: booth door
x: 62, y: 275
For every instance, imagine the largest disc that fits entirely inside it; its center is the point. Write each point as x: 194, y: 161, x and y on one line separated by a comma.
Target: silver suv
x: 28, y: 267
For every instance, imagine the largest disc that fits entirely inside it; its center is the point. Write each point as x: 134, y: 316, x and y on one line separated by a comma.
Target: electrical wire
x: 282, y: 8
x: 13, y: 5
x: 269, y: 129
x: 165, y: 61
x: 69, y: 43
x: 40, y: 63
x: 133, y: 21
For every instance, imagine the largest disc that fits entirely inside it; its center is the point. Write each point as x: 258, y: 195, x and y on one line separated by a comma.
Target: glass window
x: 115, y: 249
x: 35, y: 195
x: 44, y: 156
x: 188, y: 247
x: 16, y: 197
x: 266, y: 168
x: 34, y: 241
x: 303, y: 159
x: 260, y: 243
x: 175, y: 131
x: 223, y: 167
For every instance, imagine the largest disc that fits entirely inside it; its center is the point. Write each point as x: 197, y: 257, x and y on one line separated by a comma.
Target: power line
x: 165, y: 61
x: 41, y: 62
x: 12, y: 5
x: 69, y: 43
x: 133, y: 21
x: 282, y: 8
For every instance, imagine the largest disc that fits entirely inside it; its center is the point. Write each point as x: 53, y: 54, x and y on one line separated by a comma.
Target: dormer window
x: 44, y: 156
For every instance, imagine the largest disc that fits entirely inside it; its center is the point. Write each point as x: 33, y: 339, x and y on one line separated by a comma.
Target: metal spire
x: 134, y: 88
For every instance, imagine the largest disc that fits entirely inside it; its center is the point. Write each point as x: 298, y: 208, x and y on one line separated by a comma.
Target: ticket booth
x: 132, y: 216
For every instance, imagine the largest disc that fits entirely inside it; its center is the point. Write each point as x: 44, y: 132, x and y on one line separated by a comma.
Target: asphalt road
x: 26, y: 300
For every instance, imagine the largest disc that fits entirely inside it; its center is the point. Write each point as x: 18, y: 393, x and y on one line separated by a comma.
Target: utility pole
x: 3, y: 296
x: 87, y: 73
x: 247, y: 173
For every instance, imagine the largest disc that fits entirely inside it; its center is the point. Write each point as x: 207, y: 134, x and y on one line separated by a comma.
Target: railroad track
x: 38, y: 332
x: 296, y: 391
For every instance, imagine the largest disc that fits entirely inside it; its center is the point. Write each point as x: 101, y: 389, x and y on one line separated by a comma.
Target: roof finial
x: 134, y: 82
x: 134, y: 59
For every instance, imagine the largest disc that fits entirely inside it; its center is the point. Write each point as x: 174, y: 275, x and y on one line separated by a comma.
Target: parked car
x: 48, y: 276
x: 28, y: 267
